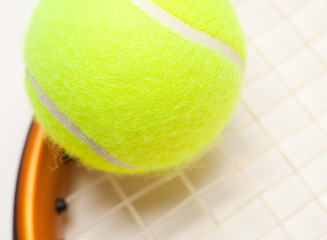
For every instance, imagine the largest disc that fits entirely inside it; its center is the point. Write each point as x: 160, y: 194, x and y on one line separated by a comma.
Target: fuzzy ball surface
x: 131, y: 86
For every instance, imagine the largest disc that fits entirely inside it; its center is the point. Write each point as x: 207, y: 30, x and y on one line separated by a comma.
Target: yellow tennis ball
x: 134, y: 86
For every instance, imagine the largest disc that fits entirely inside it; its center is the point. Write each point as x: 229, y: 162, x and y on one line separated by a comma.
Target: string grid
x: 267, y: 179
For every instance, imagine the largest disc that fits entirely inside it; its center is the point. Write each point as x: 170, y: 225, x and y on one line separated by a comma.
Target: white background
x: 15, y: 110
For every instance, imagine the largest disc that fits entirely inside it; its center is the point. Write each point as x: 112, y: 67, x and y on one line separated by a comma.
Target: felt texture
x: 214, y: 17
x: 149, y: 97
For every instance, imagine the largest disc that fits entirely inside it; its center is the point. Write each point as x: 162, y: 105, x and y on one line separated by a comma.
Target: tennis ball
x: 134, y: 86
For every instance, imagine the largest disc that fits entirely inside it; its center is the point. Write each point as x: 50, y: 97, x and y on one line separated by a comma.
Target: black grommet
x: 61, y: 206
x: 66, y: 158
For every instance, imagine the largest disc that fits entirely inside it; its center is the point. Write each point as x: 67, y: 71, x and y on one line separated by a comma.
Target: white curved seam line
x: 71, y: 127
x: 186, y: 31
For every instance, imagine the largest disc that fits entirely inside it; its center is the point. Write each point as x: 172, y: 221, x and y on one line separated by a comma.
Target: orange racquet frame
x: 40, y: 187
